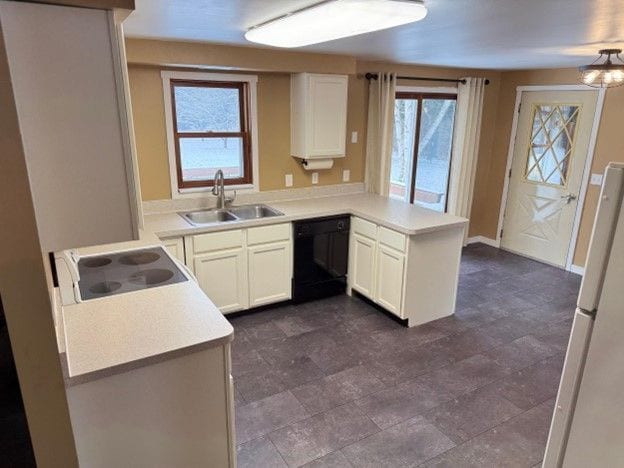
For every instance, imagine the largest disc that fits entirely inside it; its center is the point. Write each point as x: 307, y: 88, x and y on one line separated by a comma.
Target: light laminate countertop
x: 117, y: 333
x: 393, y: 214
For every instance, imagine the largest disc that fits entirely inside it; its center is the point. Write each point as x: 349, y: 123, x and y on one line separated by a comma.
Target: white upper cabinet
x: 318, y: 117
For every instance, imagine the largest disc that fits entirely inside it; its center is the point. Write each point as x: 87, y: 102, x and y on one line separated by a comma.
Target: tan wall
x: 147, y: 58
x: 609, y: 147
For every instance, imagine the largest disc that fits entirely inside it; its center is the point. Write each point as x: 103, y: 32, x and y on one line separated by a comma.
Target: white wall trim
x: 483, y: 240
x: 579, y: 270
x: 252, y: 80
x: 586, y: 170
x: 586, y: 176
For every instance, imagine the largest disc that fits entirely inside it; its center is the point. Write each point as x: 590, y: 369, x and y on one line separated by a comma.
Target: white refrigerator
x: 587, y: 428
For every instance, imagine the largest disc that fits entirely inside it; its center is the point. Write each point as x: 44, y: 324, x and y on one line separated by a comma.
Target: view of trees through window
x: 430, y: 119
x: 209, y: 130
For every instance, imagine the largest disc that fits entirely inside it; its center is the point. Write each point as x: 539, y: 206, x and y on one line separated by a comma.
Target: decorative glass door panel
x: 551, y: 143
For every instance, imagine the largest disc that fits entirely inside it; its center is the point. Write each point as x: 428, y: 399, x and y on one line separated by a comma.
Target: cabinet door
x: 389, y: 279
x: 270, y: 273
x: 362, y: 271
x: 175, y: 247
x: 327, y: 124
x: 222, y: 275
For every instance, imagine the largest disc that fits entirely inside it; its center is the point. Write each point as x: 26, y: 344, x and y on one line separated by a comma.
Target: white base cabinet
x: 413, y: 277
x: 177, y: 412
x: 175, y: 246
x: 222, y: 275
x: 269, y: 273
x: 243, y: 268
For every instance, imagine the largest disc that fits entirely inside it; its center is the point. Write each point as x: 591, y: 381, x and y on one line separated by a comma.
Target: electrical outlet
x: 288, y: 180
x: 596, y: 179
x: 346, y: 175
x: 354, y: 137
x: 315, y: 177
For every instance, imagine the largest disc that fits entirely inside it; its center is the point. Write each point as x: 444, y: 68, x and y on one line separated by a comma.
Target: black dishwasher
x: 320, y: 257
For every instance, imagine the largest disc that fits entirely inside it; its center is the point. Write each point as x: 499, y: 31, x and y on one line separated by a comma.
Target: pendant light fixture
x: 334, y: 19
x: 606, y: 71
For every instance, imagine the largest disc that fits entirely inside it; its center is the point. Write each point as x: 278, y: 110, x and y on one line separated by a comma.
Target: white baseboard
x: 579, y: 270
x: 483, y: 240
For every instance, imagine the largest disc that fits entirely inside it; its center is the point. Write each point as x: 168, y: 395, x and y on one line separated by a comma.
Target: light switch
x: 315, y: 177
x: 596, y: 179
x: 346, y: 175
x: 288, y: 180
x: 354, y: 137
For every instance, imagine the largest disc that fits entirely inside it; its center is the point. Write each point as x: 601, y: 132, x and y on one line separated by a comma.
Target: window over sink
x: 211, y: 125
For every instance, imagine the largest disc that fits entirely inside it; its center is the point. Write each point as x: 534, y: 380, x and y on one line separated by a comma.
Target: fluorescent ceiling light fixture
x: 334, y: 19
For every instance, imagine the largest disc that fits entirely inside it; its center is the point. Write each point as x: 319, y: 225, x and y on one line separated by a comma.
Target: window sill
x: 201, y: 192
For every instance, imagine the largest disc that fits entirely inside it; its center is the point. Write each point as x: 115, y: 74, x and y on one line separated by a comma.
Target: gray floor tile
x: 403, y: 445
x: 472, y: 413
x: 509, y: 328
x: 463, y: 345
x: 533, y: 385
x: 521, y: 353
x: 337, y: 389
x: 297, y: 370
x: 408, y: 338
x: 247, y: 361
x: 260, y: 382
x: 321, y: 434
x: 392, y: 370
x: 504, y: 343
x: 263, y: 416
x: 464, y: 376
x: 332, y: 460
x: 401, y: 402
x: 519, y: 442
x: 259, y: 453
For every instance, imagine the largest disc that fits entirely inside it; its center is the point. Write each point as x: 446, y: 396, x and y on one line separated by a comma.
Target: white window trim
x: 252, y: 81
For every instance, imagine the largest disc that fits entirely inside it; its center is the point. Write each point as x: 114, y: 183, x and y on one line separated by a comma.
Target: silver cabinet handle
x: 568, y: 198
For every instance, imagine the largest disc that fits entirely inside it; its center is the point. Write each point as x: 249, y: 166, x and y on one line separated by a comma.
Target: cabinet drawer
x: 393, y: 239
x: 217, y: 241
x: 266, y: 234
x: 364, y: 228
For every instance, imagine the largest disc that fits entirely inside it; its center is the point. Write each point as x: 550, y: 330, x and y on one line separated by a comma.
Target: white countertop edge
x: 230, y: 226
x: 78, y: 379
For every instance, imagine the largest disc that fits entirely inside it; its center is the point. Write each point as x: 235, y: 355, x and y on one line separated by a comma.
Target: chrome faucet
x: 218, y: 190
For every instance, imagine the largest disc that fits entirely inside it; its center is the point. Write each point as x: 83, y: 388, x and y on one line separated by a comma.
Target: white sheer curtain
x: 379, y: 134
x: 465, y: 145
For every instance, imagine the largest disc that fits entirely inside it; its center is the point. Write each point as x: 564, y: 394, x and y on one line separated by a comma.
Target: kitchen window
x: 421, y: 148
x: 211, y: 126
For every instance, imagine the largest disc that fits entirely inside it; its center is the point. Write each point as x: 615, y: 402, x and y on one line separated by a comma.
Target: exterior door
x: 550, y: 150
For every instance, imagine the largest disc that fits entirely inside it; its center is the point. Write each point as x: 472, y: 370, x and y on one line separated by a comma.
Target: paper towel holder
x: 317, y: 164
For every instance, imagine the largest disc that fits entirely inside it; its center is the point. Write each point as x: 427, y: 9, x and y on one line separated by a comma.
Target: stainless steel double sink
x: 229, y: 215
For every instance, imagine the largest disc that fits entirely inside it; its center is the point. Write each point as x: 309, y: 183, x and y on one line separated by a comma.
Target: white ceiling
x: 494, y: 34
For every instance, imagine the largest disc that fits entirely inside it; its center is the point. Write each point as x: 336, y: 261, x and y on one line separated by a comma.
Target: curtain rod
x: 374, y: 76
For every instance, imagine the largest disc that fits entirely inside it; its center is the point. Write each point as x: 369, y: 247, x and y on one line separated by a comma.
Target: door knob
x: 568, y: 198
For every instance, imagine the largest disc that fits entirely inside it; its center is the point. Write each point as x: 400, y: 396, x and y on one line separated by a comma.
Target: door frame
x: 586, y: 169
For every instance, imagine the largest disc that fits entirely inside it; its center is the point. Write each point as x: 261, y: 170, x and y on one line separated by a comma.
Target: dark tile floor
x: 336, y: 383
